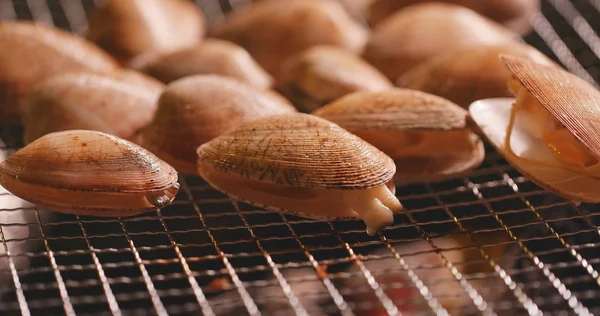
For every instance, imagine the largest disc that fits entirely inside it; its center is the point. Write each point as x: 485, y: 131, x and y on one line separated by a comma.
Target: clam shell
x: 127, y: 28
x: 118, y: 104
x: 384, y: 118
x: 493, y: 115
x: 212, y: 56
x: 571, y: 100
x: 89, y: 173
x: 36, y: 53
x: 273, y: 30
x: 426, y: 30
x: 322, y: 74
x: 470, y: 74
x: 514, y: 14
x: 196, y: 109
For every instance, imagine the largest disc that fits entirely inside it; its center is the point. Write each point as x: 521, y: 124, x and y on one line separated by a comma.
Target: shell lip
x: 492, y: 116
x: 568, y: 119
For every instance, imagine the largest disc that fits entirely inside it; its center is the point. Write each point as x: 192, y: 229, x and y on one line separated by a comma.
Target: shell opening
x: 162, y: 198
x: 529, y: 115
x: 375, y: 206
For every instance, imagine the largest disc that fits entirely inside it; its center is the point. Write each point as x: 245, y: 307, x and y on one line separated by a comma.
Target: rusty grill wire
x: 492, y: 243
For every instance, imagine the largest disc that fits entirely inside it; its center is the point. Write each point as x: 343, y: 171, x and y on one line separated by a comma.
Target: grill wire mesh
x: 492, y: 243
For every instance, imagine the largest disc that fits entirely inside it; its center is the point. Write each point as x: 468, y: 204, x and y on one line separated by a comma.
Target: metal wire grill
x: 492, y: 243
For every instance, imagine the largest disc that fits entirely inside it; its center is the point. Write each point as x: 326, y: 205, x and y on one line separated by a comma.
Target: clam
x: 303, y: 165
x: 127, y: 28
x: 120, y: 104
x: 322, y: 74
x: 550, y: 131
x: 89, y: 173
x: 273, y: 30
x: 469, y: 74
x: 422, y: 31
x: 425, y: 135
x: 32, y: 53
x: 212, y: 56
x: 196, y: 109
x: 514, y: 14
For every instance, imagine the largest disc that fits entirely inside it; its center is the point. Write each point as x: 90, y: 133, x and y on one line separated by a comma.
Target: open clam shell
x: 304, y: 165
x: 273, y: 30
x: 422, y: 31
x: 322, y: 74
x: 127, y: 28
x: 425, y: 135
x: 466, y: 75
x: 574, y: 103
x: 196, y: 109
x: 32, y: 53
x: 212, y: 56
x: 89, y: 173
x: 119, y: 104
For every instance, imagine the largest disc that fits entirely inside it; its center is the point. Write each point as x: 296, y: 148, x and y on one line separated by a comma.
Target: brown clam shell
x: 89, y: 173
x: 32, y: 53
x: 419, y: 32
x: 298, y: 150
x: 388, y: 119
x: 118, y: 104
x: 466, y: 75
x: 322, y: 74
x: 212, y: 56
x: 571, y: 100
x: 514, y: 14
x: 273, y: 30
x: 196, y: 109
x: 127, y: 28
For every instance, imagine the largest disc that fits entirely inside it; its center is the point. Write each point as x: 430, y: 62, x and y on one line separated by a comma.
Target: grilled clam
x: 196, y: 109
x: 119, y: 104
x: 426, y: 30
x: 89, y: 173
x: 322, y: 74
x: 514, y: 14
x: 212, y: 56
x: 469, y: 74
x: 425, y: 135
x: 304, y: 165
x: 551, y: 132
x: 32, y: 53
x: 273, y: 30
x: 127, y: 28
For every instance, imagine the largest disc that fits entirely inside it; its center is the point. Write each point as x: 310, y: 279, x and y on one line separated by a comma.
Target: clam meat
x: 549, y: 131
x: 89, y: 173
x: 303, y: 165
x: 425, y: 135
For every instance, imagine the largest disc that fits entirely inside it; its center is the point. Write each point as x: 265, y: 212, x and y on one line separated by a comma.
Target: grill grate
x: 491, y: 244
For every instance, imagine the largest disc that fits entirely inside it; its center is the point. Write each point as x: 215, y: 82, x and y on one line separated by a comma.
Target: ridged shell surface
x: 299, y: 150
x: 571, y: 100
x: 394, y: 110
x: 196, y: 109
x: 33, y: 52
x: 118, y: 104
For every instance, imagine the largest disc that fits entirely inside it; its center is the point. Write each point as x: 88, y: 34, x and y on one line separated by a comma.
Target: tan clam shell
x: 321, y: 74
x: 118, y: 104
x: 89, y: 173
x: 212, y: 56
x: 37, y: 52
x: 304, y: 165
x: 422, y: 31
x: 127, y: 28
x: 196, y: 109
x: 469, y: 74
x: 448, y: 148
x: 514, y: 14
x: 273, y: 30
